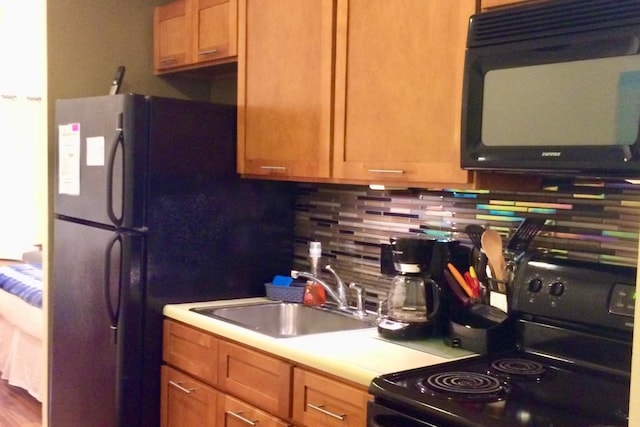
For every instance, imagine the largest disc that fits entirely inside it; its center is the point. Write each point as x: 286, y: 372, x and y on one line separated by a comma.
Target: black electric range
x: 569, y: 366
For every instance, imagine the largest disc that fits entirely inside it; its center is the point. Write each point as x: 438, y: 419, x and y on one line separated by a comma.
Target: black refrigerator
x: 148, y: 210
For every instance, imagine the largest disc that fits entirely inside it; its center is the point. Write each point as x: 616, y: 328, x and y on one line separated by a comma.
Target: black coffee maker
x: 432, y: 258
x: 413, y: 301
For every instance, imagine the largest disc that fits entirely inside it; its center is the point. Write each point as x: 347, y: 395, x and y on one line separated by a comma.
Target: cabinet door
x: 214, y: 29
x: 259, y: 379
x: 185, y: 402
x: 320, y: 401
x: 285, y: 87
x: 191, y: 350
x: 172, y: 35
x: 235, y: 413
x: 399, y: 68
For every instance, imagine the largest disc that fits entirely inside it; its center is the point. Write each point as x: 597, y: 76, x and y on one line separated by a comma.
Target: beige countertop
x: 357, y: 356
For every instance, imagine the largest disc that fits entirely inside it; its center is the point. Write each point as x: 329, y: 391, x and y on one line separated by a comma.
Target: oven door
x: 382, y: 416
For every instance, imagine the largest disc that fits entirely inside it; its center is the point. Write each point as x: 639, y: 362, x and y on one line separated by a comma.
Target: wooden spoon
x: 492, y: 247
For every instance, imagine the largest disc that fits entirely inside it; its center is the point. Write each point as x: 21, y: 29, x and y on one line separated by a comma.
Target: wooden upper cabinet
x: 370, y: 92
x: 215, y: 29
x: 192, y: 34
x: 171, y: 35
x: 285, y: 72
x: 399, y: 71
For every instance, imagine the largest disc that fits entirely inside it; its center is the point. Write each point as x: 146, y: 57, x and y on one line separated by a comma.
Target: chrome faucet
x: 339, y: 296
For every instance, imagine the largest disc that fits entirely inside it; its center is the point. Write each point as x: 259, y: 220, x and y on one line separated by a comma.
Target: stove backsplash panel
x: 586, y: 220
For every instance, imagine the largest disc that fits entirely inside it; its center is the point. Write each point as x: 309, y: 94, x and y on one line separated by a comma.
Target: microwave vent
x: 550, y: 18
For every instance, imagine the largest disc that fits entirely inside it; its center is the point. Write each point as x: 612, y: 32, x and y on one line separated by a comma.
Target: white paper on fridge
x: 69, y: 159
x: 95, y: 151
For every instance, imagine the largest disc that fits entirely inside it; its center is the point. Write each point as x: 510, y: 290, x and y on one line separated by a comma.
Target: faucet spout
x: 341, y: 287
x: 340, y: 297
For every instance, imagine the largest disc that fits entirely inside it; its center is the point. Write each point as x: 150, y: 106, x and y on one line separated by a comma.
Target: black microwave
x: 553, y: 87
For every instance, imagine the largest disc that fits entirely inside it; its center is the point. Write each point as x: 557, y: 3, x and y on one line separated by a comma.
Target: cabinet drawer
x: 185, y: 401
x: 261, y: 380
x: 191, y: 350
x: 233, y: 412
x: 320, y: 401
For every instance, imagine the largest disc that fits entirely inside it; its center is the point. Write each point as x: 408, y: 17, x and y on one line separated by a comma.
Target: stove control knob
x: 535, y: 285
x: 556, y: 288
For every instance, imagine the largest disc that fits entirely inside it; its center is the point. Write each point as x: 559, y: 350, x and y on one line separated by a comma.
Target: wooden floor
x: 18, y: 408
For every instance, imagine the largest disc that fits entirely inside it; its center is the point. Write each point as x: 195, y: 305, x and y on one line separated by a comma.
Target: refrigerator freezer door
x: 94, y: 136
x: 92, y: 378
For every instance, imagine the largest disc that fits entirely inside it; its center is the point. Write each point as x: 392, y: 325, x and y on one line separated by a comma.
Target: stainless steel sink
x: 282, y: 319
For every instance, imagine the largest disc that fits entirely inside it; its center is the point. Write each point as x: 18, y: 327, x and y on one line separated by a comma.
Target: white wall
x: 23, y: 131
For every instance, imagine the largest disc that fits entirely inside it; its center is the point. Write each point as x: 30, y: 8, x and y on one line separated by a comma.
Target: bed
x: 21, y: 326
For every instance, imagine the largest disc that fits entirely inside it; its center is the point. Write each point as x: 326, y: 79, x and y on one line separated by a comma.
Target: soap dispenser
x: 314, y: 292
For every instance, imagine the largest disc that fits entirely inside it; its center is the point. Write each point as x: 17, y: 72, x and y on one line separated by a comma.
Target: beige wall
x: 89, y: 39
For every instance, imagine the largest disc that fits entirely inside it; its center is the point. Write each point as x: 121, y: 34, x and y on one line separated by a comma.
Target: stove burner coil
x: 518, y: 368
x: 463, y: 385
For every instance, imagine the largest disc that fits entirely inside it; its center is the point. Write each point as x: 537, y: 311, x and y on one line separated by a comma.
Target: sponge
x: 281, y: 280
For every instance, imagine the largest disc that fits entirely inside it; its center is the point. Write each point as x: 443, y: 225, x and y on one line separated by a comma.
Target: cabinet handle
x: 239, y: 416
x: 274, y: 168
x: 180, y: 387
x: 394, y: 171
x: 208, y: 52
x: 320, y: 408
x: 168, y: 60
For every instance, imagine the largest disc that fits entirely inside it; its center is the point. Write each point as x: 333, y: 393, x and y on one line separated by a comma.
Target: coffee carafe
x: 414, y: 299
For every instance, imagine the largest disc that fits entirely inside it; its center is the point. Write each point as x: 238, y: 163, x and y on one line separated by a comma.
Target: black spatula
x: 474, y: 231
x: 525, y: 233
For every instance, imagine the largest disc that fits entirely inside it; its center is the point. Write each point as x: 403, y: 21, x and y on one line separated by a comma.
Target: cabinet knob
x: 389, y: 171
x: 274, y: 168
x: 180, y: 387
x: 238, y: 415
x: 207, y: 52
x: 320, y: 408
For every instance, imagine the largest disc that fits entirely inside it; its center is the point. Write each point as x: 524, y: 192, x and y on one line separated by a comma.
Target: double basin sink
x: 284, y: 319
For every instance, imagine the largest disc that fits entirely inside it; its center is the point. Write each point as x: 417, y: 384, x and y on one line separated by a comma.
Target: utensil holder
x: 285, y: 293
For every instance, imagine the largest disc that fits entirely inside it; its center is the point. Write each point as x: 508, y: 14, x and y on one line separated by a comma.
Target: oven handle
x: 382, y: 416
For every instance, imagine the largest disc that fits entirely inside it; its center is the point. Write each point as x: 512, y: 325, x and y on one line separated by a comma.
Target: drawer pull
x: 274, y: 168
x: 180, y: 387
x: 390, y: 171
x: 239, y: 416
x: 208, y: 52
x: 320, y: 408
x: 168, y: 60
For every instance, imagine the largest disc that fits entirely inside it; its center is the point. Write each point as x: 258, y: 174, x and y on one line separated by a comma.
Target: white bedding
x: 21, y: 349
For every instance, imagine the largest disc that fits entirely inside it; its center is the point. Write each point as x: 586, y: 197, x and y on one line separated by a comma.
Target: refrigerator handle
x: 118, y: 141
x: 113, y: 312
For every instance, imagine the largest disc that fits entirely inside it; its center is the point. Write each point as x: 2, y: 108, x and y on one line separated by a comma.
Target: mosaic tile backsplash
x: 593, y: 221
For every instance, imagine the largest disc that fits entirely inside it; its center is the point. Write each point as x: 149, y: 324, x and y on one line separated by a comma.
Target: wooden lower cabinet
x: 191, y: 350
x: 257, y: 378
x: 321, y: 401
x: 250, y: 387
x: 236, y: 413
x: 186, y: 402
